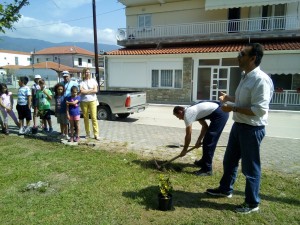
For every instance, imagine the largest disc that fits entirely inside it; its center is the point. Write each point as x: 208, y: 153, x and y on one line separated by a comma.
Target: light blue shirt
x: 68, y: 87
x: 255, y: 90
x: 23, y: 94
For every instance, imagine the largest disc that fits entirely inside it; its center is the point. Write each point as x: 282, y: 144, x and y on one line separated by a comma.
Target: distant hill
x: 28, y: 45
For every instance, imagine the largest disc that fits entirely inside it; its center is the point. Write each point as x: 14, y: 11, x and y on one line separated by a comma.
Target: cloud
x: 57, y: 31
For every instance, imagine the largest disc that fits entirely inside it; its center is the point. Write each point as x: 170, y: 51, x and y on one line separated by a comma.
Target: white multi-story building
x: 185, y: 50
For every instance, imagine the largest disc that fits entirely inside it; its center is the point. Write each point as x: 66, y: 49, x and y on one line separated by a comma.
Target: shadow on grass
x: 264, y: 197
x: 187, y: 196
x: 175, y: 167
x: 181, y: 199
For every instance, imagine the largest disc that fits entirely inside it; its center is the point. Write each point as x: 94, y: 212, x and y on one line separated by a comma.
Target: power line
x: 66, y: 21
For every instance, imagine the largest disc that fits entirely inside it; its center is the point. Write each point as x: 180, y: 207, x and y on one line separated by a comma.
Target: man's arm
x: 242, y: 110
x: 187, y: 140
x: 202, y: 133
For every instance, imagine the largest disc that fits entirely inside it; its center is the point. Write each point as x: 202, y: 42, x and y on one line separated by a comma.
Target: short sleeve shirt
x: 198, y: 111
x: 89, y: 84
x: 60, y: 102
x: 74, y: 110
x: 68, y: 87
x: 23, y: 94
x: 6, y: 99
x: 42, y: 100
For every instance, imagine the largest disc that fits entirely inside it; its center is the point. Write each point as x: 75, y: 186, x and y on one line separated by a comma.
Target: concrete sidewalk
x: 280, y: 154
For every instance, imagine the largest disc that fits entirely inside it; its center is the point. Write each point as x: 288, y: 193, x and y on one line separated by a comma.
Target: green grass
x: 93, y: 186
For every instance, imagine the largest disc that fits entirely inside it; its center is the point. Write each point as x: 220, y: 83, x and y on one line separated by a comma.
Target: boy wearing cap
x: 34, y: 88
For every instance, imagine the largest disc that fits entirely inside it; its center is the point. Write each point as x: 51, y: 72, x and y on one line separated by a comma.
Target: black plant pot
x: 165, y: 204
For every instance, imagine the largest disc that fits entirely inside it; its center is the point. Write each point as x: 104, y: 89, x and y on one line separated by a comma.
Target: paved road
x: 151, y: 132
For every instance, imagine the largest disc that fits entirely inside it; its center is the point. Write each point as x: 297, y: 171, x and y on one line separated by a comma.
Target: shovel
x: 159, y: 167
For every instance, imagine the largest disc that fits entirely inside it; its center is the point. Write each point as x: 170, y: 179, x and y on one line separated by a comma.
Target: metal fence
x: 213, y: 27
x: 286, y: 98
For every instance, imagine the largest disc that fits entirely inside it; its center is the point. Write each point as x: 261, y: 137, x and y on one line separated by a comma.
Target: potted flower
x: 165, y: 197
x: 279, y: 89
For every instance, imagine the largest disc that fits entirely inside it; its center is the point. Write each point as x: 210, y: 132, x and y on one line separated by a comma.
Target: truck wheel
x: 103, y: 113
x: 123, y: 115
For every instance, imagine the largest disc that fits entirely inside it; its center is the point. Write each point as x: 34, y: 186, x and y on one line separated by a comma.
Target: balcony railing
x: 212, y: 27
x: 286, y: 98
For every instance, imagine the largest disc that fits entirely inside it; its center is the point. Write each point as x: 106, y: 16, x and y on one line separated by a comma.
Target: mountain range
x: 29, y: 45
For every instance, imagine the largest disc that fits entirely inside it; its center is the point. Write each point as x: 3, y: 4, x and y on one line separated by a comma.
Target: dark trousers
x: 244, y: 143
x: 218, y: 121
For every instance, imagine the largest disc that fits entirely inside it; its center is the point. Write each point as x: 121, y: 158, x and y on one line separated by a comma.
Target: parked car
x: 120, y: 103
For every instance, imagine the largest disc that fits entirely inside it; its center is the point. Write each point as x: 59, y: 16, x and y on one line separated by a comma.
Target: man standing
x: 68, y: 83
x: 250, y: 114
x: 209, y: 135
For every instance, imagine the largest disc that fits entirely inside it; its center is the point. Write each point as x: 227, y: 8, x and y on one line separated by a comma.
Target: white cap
x: 65, y: 73
x: 37, y: 76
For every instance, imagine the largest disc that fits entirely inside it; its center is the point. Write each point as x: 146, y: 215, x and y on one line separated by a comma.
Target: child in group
x: 60, y: 110
x: 73, y: 113
x: 34, y: 88
x: 2, y: 125
x: 43, y: 98
x: 6, y: 106
x: 24, y: 105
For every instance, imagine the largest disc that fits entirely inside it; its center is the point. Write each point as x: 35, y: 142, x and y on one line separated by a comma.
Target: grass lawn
x: 95, y: 186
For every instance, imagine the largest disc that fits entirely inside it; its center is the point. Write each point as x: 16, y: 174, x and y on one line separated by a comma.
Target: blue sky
x: 69, y: 20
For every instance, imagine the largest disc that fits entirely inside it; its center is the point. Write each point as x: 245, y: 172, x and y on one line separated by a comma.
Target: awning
x: 217, y: 4
x: 281, y: 64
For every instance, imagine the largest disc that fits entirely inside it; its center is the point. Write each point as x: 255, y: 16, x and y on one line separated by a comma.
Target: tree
x: 9, y: 14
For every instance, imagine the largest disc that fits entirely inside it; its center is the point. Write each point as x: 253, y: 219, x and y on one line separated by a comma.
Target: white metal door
x: 219, y: 82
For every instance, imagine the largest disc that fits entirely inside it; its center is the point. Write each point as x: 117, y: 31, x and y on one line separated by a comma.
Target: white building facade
x: 183, y: 51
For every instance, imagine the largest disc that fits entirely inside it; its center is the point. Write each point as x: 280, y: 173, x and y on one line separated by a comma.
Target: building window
x: 89, y: 60
x: 144, y: 21
x: 155, y: 78
x: 178, y: 79
x: 166, y: 79
x: 79, y: 61
x: 16, y: 60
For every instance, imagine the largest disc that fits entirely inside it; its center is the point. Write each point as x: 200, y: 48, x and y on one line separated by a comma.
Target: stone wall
x: 170, y: 96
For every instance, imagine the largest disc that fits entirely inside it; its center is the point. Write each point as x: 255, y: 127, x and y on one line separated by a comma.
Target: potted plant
x: 165, y: 201
x: 279, y: 89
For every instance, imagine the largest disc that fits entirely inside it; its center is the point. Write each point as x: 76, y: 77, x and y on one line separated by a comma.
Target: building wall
x: 134, y: 73
x: 71, y: 60
x: 9, y: 59
x: 122, y: 75
x: 191, y: 12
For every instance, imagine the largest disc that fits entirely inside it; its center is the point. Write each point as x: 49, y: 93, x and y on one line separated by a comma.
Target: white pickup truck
x: 120, y: 103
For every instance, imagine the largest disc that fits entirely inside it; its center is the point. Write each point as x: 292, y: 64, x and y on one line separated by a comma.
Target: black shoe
x: 203, y: 172
x: 246, y: 208
x: 198, y: 163
x: 218, y: 192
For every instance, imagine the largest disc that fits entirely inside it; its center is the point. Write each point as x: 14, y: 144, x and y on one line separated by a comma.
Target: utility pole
x: 96, y: 43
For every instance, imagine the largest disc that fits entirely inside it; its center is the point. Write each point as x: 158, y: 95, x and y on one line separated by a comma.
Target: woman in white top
x: 88, y: 104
